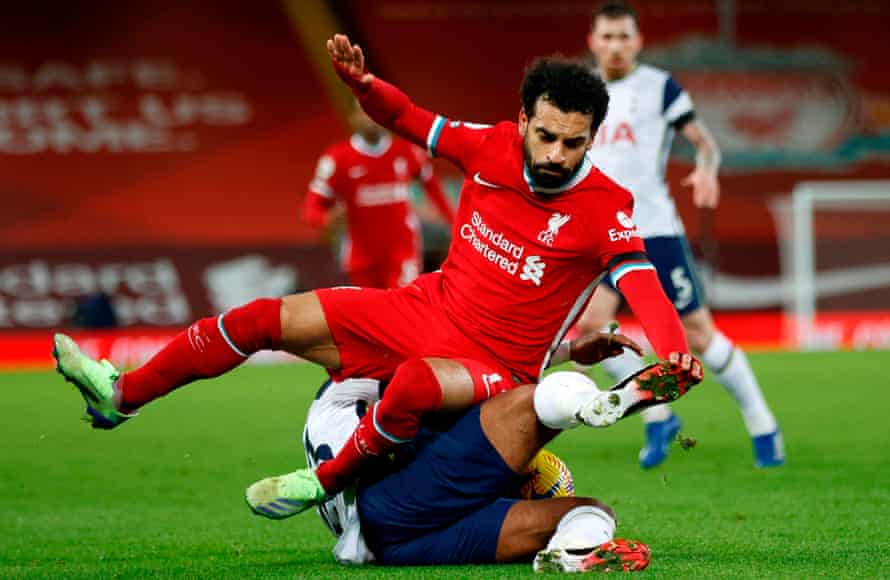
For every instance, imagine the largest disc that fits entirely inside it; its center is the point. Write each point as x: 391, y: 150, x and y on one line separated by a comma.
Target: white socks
x: 582, y: 527
x: 731, y: 369
x: 559, y: 396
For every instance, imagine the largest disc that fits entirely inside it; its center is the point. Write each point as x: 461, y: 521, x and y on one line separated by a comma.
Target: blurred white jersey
x: 633, y: 143
x: 332, y: 418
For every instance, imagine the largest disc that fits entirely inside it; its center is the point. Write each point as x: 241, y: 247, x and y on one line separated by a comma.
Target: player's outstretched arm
x: 383, y: 102
x: 392, y: 108
x: 659, y: 318
x: 349, y: 63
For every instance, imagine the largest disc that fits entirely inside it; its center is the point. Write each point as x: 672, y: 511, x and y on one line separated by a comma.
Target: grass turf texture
x: 162, y: 496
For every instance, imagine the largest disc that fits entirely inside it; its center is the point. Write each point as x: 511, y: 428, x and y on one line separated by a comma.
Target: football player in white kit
x: 646, y: 108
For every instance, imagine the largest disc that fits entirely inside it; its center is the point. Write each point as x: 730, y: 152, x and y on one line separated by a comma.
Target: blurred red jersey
x: 383, y: 245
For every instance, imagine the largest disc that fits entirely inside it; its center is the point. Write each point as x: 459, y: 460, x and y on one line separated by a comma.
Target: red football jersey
x: 523, y: 261
x: 373, y: 182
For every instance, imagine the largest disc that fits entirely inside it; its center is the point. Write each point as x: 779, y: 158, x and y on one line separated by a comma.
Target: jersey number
x: 682, y: 287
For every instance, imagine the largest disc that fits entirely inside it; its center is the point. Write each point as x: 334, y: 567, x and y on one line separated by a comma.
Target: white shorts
x: 332, y: 418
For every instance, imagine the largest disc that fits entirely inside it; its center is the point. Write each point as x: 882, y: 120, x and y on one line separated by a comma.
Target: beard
x: 548, y: 175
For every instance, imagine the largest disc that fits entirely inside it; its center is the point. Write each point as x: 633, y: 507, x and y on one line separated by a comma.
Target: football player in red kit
x: 537, y: 227
x: 369, y: 175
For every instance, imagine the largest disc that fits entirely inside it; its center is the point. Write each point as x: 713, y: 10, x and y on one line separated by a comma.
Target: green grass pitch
x: 162, y: 496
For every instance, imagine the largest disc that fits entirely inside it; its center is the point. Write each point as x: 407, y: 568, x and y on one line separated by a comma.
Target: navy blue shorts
x: 675, y: 266
x: 446, y: 506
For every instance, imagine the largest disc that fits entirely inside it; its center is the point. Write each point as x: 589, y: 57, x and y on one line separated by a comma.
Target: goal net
x: 835, y: 256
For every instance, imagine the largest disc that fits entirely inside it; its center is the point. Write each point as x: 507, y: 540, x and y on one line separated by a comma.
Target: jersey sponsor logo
x: 492, y: 245
x: 382, y: 194
x: 625, y: 220
x: 478, y: 179
x: 498, y: 249
x: 630, y: 229
x: 615, y: 133
x: 533, y: 270
x: 556, y: 221
x: 616, y: 235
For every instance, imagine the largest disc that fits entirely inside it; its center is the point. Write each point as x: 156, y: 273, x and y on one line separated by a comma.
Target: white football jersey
x: 331, y: 420
x: 633, y: 143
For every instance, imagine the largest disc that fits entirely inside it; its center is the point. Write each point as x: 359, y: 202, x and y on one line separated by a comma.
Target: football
x: 548, y: 476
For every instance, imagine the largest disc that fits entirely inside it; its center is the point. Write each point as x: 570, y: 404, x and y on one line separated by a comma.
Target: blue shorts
x: 675, y: 266
x: 446, y: 506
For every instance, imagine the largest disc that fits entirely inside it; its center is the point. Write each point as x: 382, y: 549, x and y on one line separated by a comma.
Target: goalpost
x: 835, y: 247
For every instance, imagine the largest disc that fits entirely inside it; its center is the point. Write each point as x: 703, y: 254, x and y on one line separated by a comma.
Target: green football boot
x: 94, y: 379
x: 286, y: 495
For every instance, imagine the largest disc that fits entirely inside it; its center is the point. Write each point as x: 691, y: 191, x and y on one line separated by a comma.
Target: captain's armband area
x: 623, y: 264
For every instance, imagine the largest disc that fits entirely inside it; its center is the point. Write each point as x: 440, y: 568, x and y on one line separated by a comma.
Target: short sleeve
x: 323, y: 181
x: 677, y: 105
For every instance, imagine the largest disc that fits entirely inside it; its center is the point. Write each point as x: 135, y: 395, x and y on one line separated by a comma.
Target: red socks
x: 208, y: 348
x: 413, y: 392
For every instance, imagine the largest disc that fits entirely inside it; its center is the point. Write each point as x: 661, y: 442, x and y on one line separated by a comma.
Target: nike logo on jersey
x: 481, y: 181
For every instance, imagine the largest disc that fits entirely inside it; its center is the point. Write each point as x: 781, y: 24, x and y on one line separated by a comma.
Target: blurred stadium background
x: 153, y: 160
x: 158, y: 152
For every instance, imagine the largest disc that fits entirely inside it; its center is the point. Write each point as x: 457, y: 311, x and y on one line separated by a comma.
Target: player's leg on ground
x: 730, y: 368
x: 208, y: 348
x: 531, y: 526
x: 419, y: 387
x: 567, y: 534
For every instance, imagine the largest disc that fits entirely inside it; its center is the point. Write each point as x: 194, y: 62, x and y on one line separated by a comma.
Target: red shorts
x: 393, y: 274
x: 377, y: 330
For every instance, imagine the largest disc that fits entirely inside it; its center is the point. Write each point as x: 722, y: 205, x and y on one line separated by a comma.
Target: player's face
x: 555, y: 142
x: 365, y: 126
x: 615, y: 43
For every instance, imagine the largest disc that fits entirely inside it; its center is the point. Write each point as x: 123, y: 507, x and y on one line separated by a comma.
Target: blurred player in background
x: 368, y: 178
x: 646, y: 108
x: 424, y: 510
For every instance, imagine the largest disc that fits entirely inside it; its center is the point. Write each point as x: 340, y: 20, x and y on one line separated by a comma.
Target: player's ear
x: 523, y: 122
x: 590, y: 40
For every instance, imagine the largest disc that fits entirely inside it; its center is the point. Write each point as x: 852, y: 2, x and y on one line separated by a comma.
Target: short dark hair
x: 566, y: 84
x: 613, y: 9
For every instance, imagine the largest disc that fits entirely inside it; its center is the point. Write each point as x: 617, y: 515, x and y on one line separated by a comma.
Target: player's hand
x: 349, y: 62
x: 705, y: 187
x: 595, y: 348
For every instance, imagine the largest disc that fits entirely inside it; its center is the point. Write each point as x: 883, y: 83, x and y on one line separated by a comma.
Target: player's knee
x: 414, y: 386
x: 253, y: 326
